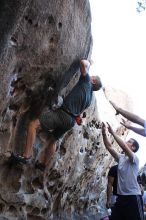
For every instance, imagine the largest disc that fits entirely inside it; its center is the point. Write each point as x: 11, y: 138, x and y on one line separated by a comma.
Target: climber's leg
x: 61, y: 122
x: 47, y: 154
x: 31, y: 136
x: 18, y: 138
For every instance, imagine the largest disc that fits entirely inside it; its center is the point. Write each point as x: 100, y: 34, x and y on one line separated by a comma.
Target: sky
x: 119, y: 53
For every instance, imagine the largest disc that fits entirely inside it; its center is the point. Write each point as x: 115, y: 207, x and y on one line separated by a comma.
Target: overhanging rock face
x: 44, y: 40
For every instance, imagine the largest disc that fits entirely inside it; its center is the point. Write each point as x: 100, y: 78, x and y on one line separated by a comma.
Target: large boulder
x: 44, y: 41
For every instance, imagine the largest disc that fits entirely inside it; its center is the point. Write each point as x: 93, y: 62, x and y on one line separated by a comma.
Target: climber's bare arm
x: 84, y: 67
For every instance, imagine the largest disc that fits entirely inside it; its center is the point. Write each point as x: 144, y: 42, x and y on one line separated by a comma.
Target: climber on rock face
x: 56, y: 122
x: 129, y: 203
x: 133, y: 118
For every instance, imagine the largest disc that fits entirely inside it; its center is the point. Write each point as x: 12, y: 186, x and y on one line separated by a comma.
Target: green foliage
x: 141, y: 6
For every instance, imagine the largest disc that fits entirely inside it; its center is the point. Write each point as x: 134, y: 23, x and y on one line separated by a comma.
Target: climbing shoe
x: 17, y: 159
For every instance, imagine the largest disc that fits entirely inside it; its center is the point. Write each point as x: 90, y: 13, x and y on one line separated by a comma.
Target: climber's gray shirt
x: 80, y: 97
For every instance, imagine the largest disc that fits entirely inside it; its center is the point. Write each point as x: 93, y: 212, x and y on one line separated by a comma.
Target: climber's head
x: 96, y: 83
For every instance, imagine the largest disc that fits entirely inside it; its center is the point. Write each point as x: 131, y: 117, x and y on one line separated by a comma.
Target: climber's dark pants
x: 129, y: 207
x: 58, y: 122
